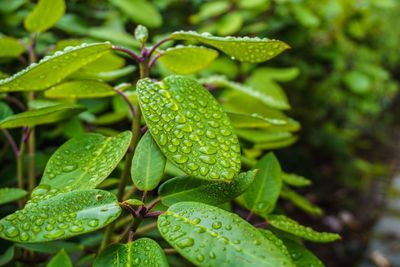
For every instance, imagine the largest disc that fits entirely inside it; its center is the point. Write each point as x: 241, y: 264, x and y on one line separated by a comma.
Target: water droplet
x: 185, y: 242
x: 180, y: 158
x: 93, y: 223
x: 216, y: 225
x: 69, y: 168
x: 208, y: 150
x: 12, y: 232
x: 207, y: 159
x: 196, y: 221
x: 54, y: 235
x: 200, y: 258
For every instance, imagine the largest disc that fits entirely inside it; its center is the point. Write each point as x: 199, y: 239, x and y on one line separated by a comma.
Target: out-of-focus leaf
x: 61, y: 259
x: 11, y: 194
x: 230, y: 23
x: 7, y: 256
x: 300, y: 201
x: 45, y: 15
x: 10, y: 47
x: 140, y: 11
x: 295, y: 180
x: 80, y: 89
x: 300, y: 255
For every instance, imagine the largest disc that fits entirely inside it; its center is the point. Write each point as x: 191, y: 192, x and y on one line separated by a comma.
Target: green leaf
x: 190, y: 127
x: 276, y: 143
x: 300, y: 201
x: 262, y: 136
x: 263, y: 193
x: 10, y: 47
x: 241, y: 120
x: 276, y: 74
x: 134, y: 202
x: 142, y: 252
x: 186, y: 188
x: 5, y: 111
x: 274, y: 239
x: 7, y: 256
x: 148, y: 164
x: 295, y: 180
x: 244, y: 49
x: 288, y: 225
x: 45, y: 15
x: 52, y: 247
x: 11, y: 194
x: 209, y: 236
x: 300, y: 255
x: 60, y: 260
x: 80, y: 89
x: 62, y: 216
x: 41, y: 116
x: 230, y: 23
x: 111, y: 75
x: 140, y: 11
x: 82, y: 163
x: 53, y: 69
x: 141, y: 34
x: 187, y: 59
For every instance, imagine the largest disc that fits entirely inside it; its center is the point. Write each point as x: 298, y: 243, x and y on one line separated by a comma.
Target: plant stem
x: 128, y: 52
x: 170, y: 251
x: 20, y: 170
x: 10, y: 140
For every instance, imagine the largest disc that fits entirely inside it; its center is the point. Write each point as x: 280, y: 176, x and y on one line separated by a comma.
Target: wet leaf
x: 186, y: 188
x: 80, y: 89
x: 148, y: 164
x: 276, y: 143
x: 140, y: 11
x: 209, y: 236
x: 276, y: 74
x: 5, y: 111
x: 52, y: 247
x: 187, y: 59
x: 11, y: 194
x: 142, y: 252
x: 41, y: 116
x: 288, y: 225
x: 45, y: 15
x: 263, y: 193
x: 295, y: 180
x: 62, y: 216
x: 10, y: 47
x: 190, y: 127
x: 60, y: 260
x: 262, y: 135
x: 244, y: 49
x: 300, y: 255
x: 53, y: 69
x: 300, y: 201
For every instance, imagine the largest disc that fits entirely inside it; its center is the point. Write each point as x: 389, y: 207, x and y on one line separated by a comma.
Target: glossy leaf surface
x: 65, y: 215
x: 11, y: 194
x: 53, y: 69
x: 190, y: 127
x: 80, y: 89
x: 187, y: 59
x: 263, y: 193
x: 45, y: 15
x: 10, y: 47
x: 148, y: 164
x: 60, y: 260
x: 186, y: 188
x: 244, y: 49
x: 210, y: 236
x: 286, y: 224
x: 142, y: 252
x: 41, y: 116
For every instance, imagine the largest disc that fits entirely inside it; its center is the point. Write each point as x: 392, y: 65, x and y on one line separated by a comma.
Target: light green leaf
x: 300, y: 255
x: 142, y: 252
x: 262, y: 136
x: 5, y: 111
x: 263, y: 193
x: 80, y: 89
x: 134, y: 202
x: 241, y: 120
x: 60, y: 260
x: 276, y: 74
x: 41, y: 116
x: 288, y: 225
x: 187, y: 59
x: 45, y: 15
x: 274, y: 239
x: 82, y: 163
x: 300, y: 201
x: 244, y: 49
x: 11, y: 194
x: 230, y: 23
x: 295, y: 180
x: 62, y: 216
x: 10, y: 47
x: 53, y: 69
x: 102, y: 75
x: 52, y: 247
x: 148, y: 164
x: 277, y: 143
x: 140, y: 11
x: 190, y: 127
x: 141, y: 34
x: 209, y: 236
x: 186, y: 188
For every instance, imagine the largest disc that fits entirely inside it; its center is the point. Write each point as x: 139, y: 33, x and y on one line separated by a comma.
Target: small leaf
x: 60, y: 260
x: 288, y: 225
x: 276, y: 143
x: 140, y: 11
x: 134, y: 202
x: 5, y: 111
x: 209, y: 236
x: 300, y: 255
x: 80, y: 89
x: 300, y: 201
x: 7, y: 256
x: 186, y: 188
x: 295, y: 180
x: 241, y: 120
x: 142, y: 252
x: 262, y: 136
x: 187, y: 59
x: 53, y: 69
x: 190, y: 127
x: 244, y: 49
x: 41, y: 116
x: 45, y: 15
x: 10, y: 47
x: 148, y: 164
x: 62, y: 216
x: 141, y: 34
x: 82, y: 163
x: 11, y: 194
x: 263, y: 193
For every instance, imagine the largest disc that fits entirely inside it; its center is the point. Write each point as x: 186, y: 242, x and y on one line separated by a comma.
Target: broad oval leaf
x: 244, y: 49
x: 61, y: 259
x: 288, y: 225
x: 53, y: 69
x: 148, y: 164
x: 41, y: 116
x: 65, y: 215
x: 186, y: 188
x: 263, y: 193
x: 142, y: 252
x: 11, y: 194
x: 45, y: 15
x: 5, y: 111
x: 80, y: 89
x: 82, y: 163
x: 187, y: 59
x: 140, y: 11
x: 190, y: 127
x: 300, y: 201
x: 209, y: 236
x: 10, y: 47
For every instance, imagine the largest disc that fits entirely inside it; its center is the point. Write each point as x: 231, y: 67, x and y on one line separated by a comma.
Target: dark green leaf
x: 45, y: 15
x: 7, y: 256
x: 60, y: 260
x: 80, y: 89
x: 11, y: 194
x: 300, y: 255
x: 51, y: 247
